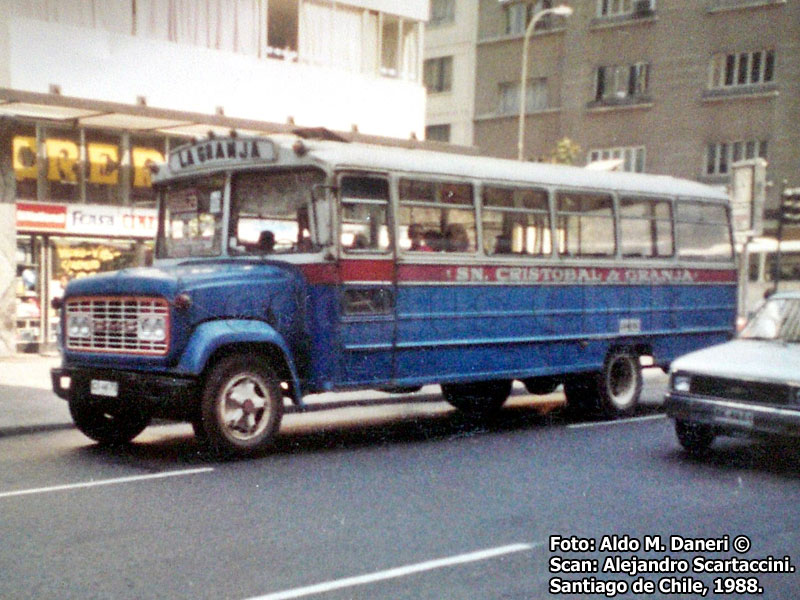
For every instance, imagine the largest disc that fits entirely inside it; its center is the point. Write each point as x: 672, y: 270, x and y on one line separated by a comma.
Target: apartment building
x: 678, y: 87
x: 93, y: 91
x: 449, y: 70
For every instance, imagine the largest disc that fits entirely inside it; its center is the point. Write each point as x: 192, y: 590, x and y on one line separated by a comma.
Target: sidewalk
x: 27, y: 401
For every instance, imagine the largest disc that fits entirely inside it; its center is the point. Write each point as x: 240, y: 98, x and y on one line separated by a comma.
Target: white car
x: 748, y: 386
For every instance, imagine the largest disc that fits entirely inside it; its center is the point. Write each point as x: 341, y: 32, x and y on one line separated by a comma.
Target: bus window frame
x: 612, y: 194
x: 337, y: 227
x: 671, y: 203
x: 475, y: 189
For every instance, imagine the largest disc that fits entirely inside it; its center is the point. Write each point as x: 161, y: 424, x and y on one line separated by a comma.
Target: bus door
x: 367, y: 280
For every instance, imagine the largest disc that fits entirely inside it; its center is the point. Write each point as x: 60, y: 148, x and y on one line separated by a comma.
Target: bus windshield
x: 192, y: 218
x: 273, y: 212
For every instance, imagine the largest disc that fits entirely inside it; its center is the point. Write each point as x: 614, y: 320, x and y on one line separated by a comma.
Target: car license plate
x: 100, y: 387
x: 733, y: 416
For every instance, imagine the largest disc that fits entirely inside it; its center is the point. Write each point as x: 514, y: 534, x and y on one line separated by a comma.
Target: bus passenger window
x: 703, y: 232
x: 516, y: 221
x: 585, y: 225
x: 436, y: 216
x: 645, y: 228
x: 365, y: 201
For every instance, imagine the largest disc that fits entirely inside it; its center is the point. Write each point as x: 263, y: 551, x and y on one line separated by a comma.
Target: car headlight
x: 152, y: 329
x: 681, y: 383
x: 78, y: 326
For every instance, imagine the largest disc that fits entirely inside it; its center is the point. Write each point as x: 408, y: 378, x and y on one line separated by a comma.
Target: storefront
x: 58, y: 242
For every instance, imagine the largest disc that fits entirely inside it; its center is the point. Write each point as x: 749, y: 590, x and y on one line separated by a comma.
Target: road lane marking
x: 616, y: 422
x: 88, y: 484
x: 440, y: 563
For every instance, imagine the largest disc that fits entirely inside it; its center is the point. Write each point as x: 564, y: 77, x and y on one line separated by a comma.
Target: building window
x: 443, y: 12
x: 720, y: 156
x: 741, y: 69
x: 622, y: 83
x: 535, y: 97
x: 631, y: 157
x: 438, y: 74
x: 437, y: 133
x: 623, y: 8
x: 519, y: 14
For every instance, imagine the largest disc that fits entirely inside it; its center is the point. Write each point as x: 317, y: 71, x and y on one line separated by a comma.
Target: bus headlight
x: 681, y: 383
x: 78, y: 326
x: 152, y: 329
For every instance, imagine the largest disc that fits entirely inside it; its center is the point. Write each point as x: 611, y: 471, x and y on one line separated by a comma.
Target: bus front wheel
x: 241, y: 407
x: 480, y: 398
x: 106, y: 422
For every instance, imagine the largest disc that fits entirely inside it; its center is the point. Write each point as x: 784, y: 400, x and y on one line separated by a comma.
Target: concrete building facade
x: 92, y: 91
x: 449, y: 70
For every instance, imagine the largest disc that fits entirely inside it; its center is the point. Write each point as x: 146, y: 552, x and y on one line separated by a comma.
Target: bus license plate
x: 100, y: 387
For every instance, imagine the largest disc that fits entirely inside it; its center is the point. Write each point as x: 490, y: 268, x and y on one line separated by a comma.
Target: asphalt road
x: 401, y: 501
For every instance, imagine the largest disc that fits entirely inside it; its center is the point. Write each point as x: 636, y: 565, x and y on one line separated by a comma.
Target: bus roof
x: 288, y: 149
x: 341, y: 155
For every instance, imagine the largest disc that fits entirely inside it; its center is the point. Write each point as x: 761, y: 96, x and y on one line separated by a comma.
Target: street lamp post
x: 562, y: 10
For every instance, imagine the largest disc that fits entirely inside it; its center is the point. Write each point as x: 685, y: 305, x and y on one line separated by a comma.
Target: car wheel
x: 107, y: 422
x: 241, y: 406
x: 481, y: 398
x: 694, y: 437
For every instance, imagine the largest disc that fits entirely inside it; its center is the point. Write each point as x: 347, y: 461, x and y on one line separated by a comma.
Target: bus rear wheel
x: 241, y: 406
x: 613, y: 392
x: 481, y: 398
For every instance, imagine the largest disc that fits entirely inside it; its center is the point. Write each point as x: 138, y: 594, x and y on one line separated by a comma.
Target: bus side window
x: 645, y: 228
x: 703, y: 232
x: 516, y: 221
x: 752, y: 267
x: 436, y: 216
x: 585, y: 224
x: 365, y: 201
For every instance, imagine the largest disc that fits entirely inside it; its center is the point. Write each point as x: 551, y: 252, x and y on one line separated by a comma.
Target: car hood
x: 756, y: 360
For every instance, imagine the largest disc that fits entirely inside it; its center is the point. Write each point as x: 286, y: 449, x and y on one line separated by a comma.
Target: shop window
x: 64, y: 174
x: 144, y: 154
x: 26, y: 164
x: 103, y: 181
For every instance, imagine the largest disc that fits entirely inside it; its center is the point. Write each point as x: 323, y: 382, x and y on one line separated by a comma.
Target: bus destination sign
x: 217, y: 152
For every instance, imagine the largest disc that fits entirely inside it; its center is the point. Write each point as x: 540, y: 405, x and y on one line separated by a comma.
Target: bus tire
x: 541, y: 386
x: 481, y: 398
x: 241, y: 406
x: 105, y: 422
x: 694, y: 437
x: 619, y: 384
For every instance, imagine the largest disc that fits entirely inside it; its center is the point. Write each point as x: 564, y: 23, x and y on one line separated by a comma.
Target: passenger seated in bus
x: 360, y: 242
x: 502, y: 245
x: 417, y: 236
x: 266, y: 242
x: 434, y: 240
x: 455, y: 238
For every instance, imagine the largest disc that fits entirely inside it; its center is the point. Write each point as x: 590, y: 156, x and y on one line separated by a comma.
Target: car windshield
x: 777, y: 319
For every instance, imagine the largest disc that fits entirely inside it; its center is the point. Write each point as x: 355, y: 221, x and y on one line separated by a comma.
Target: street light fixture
x: 562, y: 10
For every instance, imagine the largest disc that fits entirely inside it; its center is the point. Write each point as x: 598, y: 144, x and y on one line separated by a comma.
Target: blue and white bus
x: 286, y: 267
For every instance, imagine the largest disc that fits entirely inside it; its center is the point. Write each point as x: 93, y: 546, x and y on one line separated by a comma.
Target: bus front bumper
x: 162, y: 395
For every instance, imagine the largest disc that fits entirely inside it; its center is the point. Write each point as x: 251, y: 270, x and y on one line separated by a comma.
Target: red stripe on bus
x: 349, y: 270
